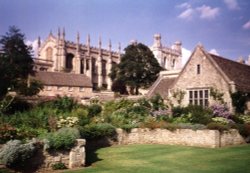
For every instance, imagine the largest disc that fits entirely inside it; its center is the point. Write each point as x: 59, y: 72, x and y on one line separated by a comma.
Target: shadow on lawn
x: 92, y: 145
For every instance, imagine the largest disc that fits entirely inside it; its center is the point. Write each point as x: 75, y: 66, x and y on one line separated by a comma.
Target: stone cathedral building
x: 74, y: 69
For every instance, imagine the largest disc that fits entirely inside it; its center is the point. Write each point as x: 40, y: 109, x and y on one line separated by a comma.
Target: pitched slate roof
x: 62, y: 79
x: 162, y: 87
x: 237, y: 72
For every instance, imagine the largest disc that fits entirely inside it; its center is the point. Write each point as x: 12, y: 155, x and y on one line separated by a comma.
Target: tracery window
x: 49, y: 53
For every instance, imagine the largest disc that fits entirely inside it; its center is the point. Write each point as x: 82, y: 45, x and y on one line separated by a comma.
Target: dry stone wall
x: 71, y: 159
x: 199, y: 138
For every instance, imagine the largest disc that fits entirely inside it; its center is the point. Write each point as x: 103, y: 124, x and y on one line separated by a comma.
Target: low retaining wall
x: 199, y: 138
x: 71, y: 159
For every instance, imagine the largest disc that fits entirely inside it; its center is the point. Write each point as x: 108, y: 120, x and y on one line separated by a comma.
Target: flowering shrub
x: 221, y: 120
x: 245, y: 119
x: 221, y: 110
x: 67, y: 122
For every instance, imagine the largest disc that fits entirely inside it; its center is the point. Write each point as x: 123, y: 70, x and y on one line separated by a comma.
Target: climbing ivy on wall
x: 217, y: 95
x: 239, y: 100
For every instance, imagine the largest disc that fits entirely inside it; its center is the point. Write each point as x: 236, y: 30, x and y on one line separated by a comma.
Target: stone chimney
x: 241, y: 60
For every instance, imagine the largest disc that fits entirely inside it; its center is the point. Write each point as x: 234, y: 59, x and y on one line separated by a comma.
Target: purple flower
x: 220, y: 110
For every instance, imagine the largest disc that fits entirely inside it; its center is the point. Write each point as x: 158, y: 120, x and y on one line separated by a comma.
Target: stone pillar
x: 99, y: 71
x: 77, y: 62
x: 89, y: 72
x: 109, y: 67
x: 57, y: 58
x: 77, y: 154
x: 63, y: 52
x: 77, y: 65
x: 99, y: 64
x: 84, y: 65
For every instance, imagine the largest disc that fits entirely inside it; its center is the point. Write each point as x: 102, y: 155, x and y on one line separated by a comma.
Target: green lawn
x: 168, y: 159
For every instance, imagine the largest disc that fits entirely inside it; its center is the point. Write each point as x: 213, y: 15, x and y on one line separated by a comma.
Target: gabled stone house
x: 203, y: 72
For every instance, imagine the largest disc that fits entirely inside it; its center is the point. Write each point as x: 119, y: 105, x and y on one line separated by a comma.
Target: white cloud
x: 187, y: 14
x: 246, y: 25
x: 214, y: 51
x: 207, y: 12
x: 184, y: 5
x: 185, y: 55
x: 34, y: 45
x: 204, y: 11
x: 232, y: 4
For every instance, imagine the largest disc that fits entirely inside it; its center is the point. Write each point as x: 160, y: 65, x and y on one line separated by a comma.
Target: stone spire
x: 77, y: 42
x: 119, y: 48
x: 59, y: 33
x: 100, y: 45
x: 88, y: 45
x: 63, y: 34
x: 39, y: 42
x: 50, y: 33
x: 119, y: 52
x: 88, y: 40
x: 78, y: 38
x: 100, y: 42
x: 110, y: 45
x: 38, y: 46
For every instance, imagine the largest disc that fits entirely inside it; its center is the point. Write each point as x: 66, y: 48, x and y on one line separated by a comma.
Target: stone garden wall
x: 71, y: 159
x: 199, y: 138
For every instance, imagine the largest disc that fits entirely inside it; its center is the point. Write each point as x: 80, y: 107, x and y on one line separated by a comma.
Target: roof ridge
x: 217, y: 56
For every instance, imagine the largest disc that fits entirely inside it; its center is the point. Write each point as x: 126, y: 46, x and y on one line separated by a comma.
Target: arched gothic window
x: 49, y: 53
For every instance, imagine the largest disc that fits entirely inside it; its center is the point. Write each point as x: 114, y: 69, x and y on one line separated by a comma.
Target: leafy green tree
x: 138, y: 68
x: 16, y: 64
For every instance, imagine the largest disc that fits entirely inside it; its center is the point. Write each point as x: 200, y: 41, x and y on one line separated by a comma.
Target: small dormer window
x: 198, y: 69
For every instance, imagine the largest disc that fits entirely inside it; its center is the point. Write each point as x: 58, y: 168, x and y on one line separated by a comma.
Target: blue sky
x: 222, y: 26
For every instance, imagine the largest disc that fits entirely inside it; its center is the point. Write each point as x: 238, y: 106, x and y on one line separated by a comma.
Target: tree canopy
x: 138, y: 68
x: 15, y: 63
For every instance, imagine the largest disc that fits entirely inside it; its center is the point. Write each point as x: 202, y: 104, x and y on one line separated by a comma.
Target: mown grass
x: 170, y: 159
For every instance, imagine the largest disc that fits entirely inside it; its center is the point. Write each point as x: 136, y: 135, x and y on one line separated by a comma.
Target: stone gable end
x: 209, y: 76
